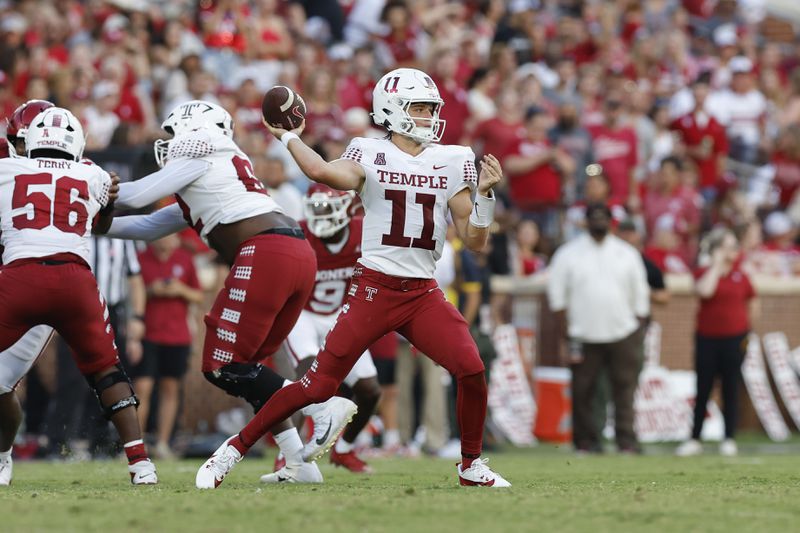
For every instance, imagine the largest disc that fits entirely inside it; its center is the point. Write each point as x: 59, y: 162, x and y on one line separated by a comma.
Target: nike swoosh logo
x: 438, y: 168
x: 322, y: 439
x: 281, y: 479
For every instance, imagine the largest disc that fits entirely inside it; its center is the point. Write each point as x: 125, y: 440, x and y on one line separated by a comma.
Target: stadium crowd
x: 679, y: 115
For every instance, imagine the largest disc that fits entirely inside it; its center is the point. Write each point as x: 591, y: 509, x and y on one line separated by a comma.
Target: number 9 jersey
x: 405, y: 201
x: 47, y: 206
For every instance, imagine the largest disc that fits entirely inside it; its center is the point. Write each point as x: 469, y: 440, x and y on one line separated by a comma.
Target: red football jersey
x: 334, y: 268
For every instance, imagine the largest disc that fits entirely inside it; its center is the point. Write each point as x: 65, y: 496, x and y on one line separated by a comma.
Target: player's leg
x: 363, y: 380
x: 143, y: 376
x: 172, y: 364
x: 438, y: 330
x: 79, y: 314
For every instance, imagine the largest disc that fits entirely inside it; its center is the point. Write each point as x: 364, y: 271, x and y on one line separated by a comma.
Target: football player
x: 272, y: 267
x: 408, y: 183
x: 336, y: 239
x: 48, y: 204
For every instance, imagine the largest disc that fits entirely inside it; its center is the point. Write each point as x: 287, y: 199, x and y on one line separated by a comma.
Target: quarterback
x: 407, y: 184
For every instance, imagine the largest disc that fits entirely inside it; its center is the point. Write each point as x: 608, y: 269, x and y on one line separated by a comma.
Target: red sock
x: 239, y: 444
x: 135, y: 451
x: 280, y: 406
x: 471, y: 413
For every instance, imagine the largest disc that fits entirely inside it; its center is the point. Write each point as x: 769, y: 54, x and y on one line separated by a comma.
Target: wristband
x: 288, y: 136
x: 483, y: 212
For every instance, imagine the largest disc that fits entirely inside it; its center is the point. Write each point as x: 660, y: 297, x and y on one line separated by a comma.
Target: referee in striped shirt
x: 116, y: 267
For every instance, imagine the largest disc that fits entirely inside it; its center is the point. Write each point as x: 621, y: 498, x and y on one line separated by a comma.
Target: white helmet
x: 394, y: 94
x: 56, y: 129
x: 190, y: 116
x: 327, y: 210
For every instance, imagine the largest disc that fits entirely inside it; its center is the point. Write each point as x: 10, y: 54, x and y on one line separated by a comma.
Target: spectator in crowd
x: 597, y: 286
x: 535, y: 169
x: 664, y: 248
x: 704, y: 139
x: 596, y: 190
x: 480, y: 100
x: 569, y: 136
x: 355, y: 88
x: 668, y: 196
x: 270, y: 171
x: 615, y: 148
x: 786, y: 164
x: 322, y: 111
x: 742, y: 109
x: 99, y: 118
x: 171, y: 283
x: 498, y: 135
x: 781, y: 243
x: 728, y: 306
x: 525, y: 253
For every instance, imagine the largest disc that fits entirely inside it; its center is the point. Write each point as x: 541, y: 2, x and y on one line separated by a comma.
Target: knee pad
x: 253, y: 382
x: 100, y: 385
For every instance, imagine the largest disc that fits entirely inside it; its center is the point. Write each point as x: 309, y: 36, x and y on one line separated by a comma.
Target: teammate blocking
x: 407, y: 184
x: 272, y: 265
x: 48, y: 202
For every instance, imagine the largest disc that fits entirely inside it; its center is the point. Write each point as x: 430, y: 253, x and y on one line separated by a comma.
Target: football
x: 283, y: 107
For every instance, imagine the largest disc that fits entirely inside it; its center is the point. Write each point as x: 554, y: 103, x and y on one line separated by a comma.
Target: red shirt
x: 667, y: 261
x: 615, y: 150
x: 787, y: 177
x: 695, y: 135
x: 725, y: 313
x: 538, y: 187
x: 166, y: 319
x: 455, y: 111
x: 354, y: 93
x: 498, y: 136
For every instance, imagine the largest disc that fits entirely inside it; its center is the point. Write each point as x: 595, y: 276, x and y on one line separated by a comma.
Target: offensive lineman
x: 407, y: 184
x: 272, y: 265
x: 48, y: 204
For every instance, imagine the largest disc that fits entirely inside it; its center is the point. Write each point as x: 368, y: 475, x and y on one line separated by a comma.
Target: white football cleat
x: 306, y: 473
x: 689, y: 448
x: 480, y: 475
x: 6, y: 467
x: 219, y: 465
x: 143, y: 473
x: 728, y: 448
x: 329, y: 422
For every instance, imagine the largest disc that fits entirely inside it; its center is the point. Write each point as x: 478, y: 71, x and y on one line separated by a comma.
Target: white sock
x: 391, y: 438
x: 342, y: 446
x: 290, y: 444
x: 6, y: 454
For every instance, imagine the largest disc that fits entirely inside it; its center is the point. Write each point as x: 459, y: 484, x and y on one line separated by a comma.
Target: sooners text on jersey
x: 405, y: 201
x: 334, y: 268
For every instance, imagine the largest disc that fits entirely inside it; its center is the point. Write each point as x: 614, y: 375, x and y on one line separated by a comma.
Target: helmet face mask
x: 191, y: 116
x: 56, y: 129
x: 392, y: 98
x: 327, y: 210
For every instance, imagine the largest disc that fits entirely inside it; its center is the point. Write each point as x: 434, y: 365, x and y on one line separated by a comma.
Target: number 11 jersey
x: 47, y: 206
x: 405, y: 201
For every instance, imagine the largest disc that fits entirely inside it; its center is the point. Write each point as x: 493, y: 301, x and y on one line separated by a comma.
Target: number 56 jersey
x: 405, y: 201
x: 47, y: 206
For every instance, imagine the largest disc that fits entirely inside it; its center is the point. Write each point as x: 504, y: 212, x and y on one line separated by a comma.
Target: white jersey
x: 228, y: 191
x: 47, y: 206
x: 406, y: 203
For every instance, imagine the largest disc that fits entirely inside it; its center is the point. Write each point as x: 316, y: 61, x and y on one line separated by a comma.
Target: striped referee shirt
x: 113, y: 261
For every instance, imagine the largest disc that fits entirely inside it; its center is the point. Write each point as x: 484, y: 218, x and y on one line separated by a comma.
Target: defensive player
x: 272, y: 265
x: 336, y: 239
x: 48, y: 202
x: 407, y: 184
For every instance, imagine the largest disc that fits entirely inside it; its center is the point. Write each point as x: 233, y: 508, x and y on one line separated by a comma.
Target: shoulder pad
x: 192, y: 145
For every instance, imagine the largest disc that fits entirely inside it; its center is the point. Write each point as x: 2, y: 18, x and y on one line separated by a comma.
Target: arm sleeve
x: 354, y: 152
x: 175, y: 175
x: 148, y: 227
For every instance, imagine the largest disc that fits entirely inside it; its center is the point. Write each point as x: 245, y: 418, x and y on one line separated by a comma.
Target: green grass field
x: 553, y: 491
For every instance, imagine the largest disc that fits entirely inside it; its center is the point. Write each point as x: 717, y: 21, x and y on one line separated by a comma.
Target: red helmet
x: 327, y: 210
x: 22, y: 118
